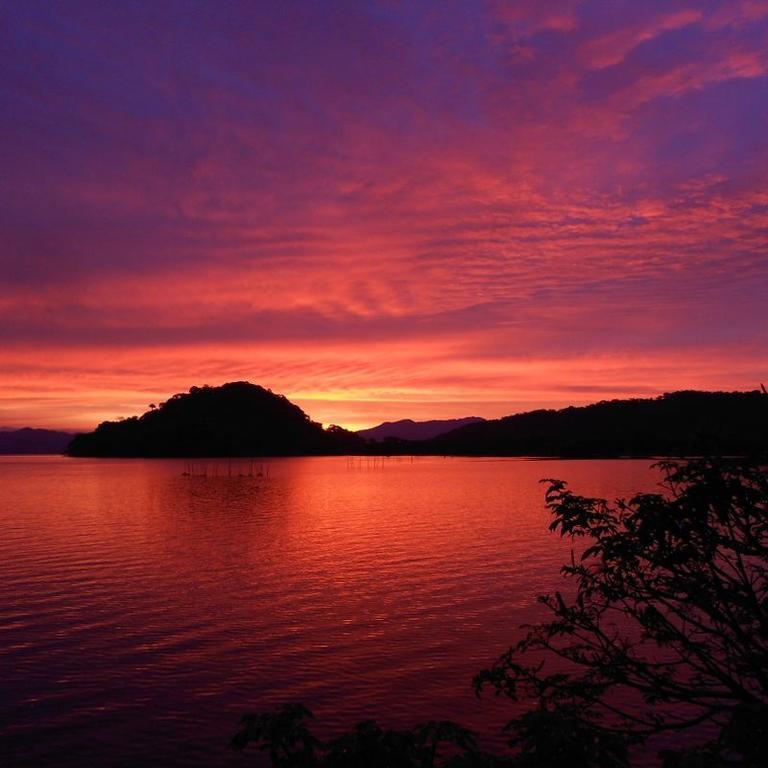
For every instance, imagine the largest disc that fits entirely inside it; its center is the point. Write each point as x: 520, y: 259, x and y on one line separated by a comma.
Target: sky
x: 380, y: 209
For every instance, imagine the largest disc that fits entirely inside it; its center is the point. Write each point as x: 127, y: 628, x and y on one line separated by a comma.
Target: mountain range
x: 407, y: 429
x: 33, y: 441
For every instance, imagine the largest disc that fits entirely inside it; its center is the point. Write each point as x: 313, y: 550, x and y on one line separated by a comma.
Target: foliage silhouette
x: 668, y: 627
x: 286, y: 736
x: 665, y: 630
x: 283, y: 734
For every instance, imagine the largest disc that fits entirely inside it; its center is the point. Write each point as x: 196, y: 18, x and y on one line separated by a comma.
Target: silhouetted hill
x: 33, y: 441
x: 407, y: 429
x: 236, y: 419
x: 679, y: 423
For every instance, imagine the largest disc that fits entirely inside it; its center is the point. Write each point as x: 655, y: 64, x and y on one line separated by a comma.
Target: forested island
x: 235, y: 419
x: 244, y: 419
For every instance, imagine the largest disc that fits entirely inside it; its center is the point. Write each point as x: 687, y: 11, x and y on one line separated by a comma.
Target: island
x: 235, y: 419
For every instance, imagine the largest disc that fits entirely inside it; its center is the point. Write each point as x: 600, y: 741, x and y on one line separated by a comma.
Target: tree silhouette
x: 285, y: 735
x: 668, y: 626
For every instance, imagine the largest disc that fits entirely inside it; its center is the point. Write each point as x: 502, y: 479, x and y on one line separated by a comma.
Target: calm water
x: 143, y: 611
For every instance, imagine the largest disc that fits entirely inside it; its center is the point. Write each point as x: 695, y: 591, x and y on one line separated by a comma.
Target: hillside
x: 679, y: 423
x: 235, y: 419
x: 33, y: 441
x: 407, y: 429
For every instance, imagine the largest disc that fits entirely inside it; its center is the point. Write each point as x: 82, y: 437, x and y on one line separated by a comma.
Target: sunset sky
x: 380, y: 209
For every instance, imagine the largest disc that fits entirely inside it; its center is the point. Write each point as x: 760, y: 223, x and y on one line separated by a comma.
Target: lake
x: 146, y: 605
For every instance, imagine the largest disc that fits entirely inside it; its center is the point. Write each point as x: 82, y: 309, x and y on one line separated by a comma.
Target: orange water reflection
x: 142, y: 611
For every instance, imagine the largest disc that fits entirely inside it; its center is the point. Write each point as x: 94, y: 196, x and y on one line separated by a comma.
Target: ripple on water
x: 141, y: 612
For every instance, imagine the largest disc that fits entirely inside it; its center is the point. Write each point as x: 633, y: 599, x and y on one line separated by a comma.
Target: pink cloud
x: 612, y: 48
x: 527, y: 18
x: 737, y: 13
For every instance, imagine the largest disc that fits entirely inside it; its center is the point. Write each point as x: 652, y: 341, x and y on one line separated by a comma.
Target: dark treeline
x: 676, y: 424
x: 243, y: 419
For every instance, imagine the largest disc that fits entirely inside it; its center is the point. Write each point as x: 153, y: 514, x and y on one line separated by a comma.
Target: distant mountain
x: 674, y: 424
x: 236, y: 419
x: 407, y: 429
x: 33, y: 441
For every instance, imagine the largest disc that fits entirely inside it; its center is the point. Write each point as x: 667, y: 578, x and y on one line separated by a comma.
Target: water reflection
x: 142, y: 609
